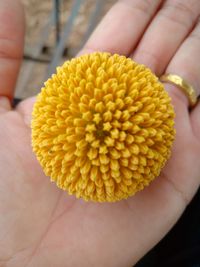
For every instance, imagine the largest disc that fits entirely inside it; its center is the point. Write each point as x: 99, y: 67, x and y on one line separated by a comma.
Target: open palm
x: 42, y: 226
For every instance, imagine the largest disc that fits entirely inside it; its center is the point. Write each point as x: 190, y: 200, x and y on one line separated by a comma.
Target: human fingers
x: 4, y: 104
x: 185, y: 164
x: 122, y: 27
x: 167, y: 31
x: 186, y: 63
x: 119, y: 32
x: 11, y: 44
x: 195, y: 121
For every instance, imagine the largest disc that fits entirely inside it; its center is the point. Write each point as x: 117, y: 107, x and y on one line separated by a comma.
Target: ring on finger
x: 183, y: 85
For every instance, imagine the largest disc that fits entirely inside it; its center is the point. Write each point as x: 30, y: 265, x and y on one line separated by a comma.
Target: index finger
x: 122, y: 27
x: 119, y: 32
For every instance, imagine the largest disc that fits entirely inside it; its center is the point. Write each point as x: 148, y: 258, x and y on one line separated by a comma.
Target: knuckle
x: 143, y: 5
x: 9, y: 49
x: 179, y: 12
x: 149, y: 57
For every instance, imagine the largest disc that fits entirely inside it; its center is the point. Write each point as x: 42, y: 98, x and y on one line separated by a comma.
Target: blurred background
x: 55, y: 31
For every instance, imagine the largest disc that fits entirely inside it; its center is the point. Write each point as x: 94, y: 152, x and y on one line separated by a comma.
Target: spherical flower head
x: 102, y: 127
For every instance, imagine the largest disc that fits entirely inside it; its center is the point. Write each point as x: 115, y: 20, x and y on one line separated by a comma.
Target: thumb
x: 11, y: 44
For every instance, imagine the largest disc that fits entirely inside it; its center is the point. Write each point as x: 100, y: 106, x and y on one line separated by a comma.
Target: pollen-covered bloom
x: 102, y: 127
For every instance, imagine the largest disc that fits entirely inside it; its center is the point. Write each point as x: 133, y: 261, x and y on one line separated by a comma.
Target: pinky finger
x: 195, y: 120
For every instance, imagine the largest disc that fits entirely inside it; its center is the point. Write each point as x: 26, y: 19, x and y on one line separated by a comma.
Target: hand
x: 43, y: 226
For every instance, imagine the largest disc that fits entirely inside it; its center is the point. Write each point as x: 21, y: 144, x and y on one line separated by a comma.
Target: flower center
x: 100, y: 133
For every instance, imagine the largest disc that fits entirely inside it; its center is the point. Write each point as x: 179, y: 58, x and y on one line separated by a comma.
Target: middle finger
x: 122, y: 27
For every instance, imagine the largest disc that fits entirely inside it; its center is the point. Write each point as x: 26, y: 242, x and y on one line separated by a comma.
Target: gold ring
x: 185, y: 87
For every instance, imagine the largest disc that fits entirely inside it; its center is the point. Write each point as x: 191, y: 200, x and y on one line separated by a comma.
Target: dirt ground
x: 38, y: 14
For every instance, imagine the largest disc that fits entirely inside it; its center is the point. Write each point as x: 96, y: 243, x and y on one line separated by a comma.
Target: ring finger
x: 186, y: 63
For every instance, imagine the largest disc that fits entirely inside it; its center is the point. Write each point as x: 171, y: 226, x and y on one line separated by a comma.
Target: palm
x: 51, y: 221
x: 43, y: 226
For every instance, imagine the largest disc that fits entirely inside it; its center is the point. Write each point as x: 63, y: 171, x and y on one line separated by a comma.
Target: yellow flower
x: 102, y: 127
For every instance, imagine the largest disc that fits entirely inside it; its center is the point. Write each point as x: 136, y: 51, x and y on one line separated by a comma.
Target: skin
x: 43, y: 226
